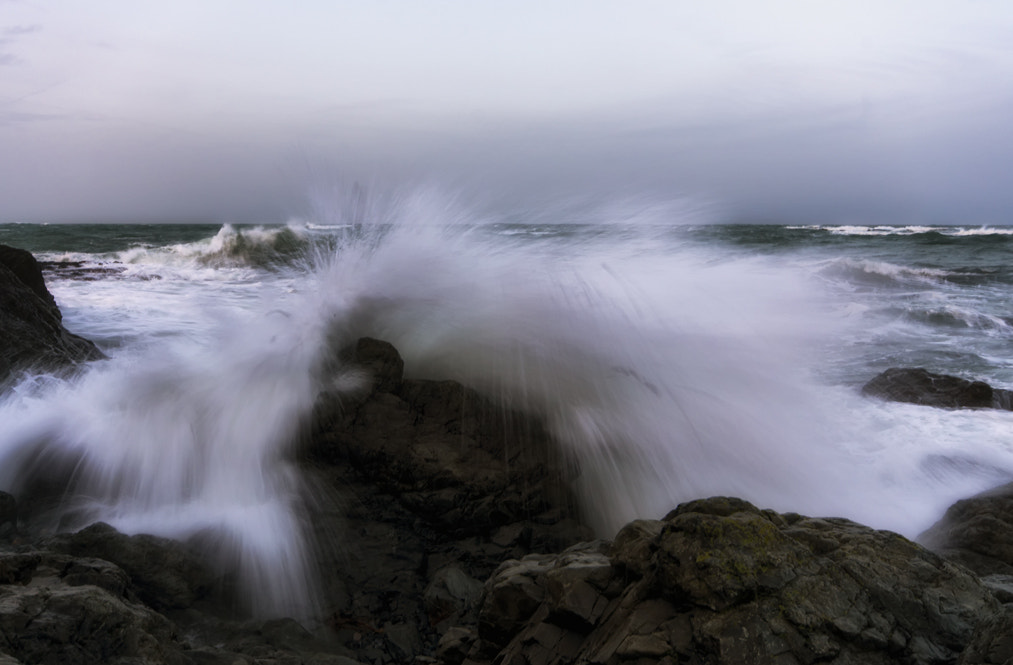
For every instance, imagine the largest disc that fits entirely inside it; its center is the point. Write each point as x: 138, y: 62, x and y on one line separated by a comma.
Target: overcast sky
x: 237, y: 110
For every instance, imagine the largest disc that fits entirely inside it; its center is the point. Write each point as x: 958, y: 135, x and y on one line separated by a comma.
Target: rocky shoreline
x: 446, y: 534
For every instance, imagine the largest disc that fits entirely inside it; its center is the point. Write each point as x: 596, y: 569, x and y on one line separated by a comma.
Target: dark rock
x: 1001, y: 587
x: 32, y: 335
x: 80, y: 271
x: 431, y: 487
x: 165, y: 574
x: 382, y: 362
x: 719, y: 581
x: 8, y: 515
x: 27, y: 270
x: 919, y: 386
x: 455, y: 645
x: 452, y: 596
x: 47, y: 617
x: 449, y: 455
x: 992, y: 642
x: 977, y: 532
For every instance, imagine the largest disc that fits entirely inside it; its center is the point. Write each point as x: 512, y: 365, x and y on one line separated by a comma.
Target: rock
x: 164, y: 573
x: 455, y: 645
x: 720, y: 581
x: 27, y: 270
x: 8, y: 515
x: 449, y: 455
x: 46, y: 617
x: 512, y: 595
x: 32, y: 335
x: 452, y: 596
x: 432, y: 487
x: 977, y: 532
x: 1001, y: 587
x: 382, y: 362
x: 919, y: 386
x: 992, y: 642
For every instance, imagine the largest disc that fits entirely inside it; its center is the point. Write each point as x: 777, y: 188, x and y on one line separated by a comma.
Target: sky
x: 884, y: 111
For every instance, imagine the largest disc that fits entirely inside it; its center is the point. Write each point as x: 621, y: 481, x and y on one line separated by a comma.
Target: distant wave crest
x: 890, y: 230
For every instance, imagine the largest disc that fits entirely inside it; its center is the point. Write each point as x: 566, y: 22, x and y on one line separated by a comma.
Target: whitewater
x: 674, y: 360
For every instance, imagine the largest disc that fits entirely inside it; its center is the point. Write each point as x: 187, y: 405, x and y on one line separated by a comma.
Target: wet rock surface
x: 978, y: 533
x: 720, y: 581
x: 919, y: 386
x: 431, y: 487
x: 31, y: 325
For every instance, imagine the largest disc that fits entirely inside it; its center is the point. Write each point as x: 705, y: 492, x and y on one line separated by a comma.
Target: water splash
x: 186, y: 441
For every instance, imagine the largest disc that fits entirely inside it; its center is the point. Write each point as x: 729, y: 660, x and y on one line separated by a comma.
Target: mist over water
x: 668, y: 365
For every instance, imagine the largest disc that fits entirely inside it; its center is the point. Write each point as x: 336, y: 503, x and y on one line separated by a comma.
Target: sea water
x: 675, y: 360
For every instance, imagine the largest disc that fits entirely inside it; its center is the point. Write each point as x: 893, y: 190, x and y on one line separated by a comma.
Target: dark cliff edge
x: 32, y: 335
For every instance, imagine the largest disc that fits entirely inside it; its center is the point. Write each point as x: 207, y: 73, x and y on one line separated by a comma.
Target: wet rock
x: 432, y: 486
x: 164, y: 573
x: 32, y: 335
x: 452, y: 597
x: 8, y: 515
x: 382, y: 362
x: 53, y: 611
x: 512, y: 595
x: 449, y: 455
x: 977, y: 532
x: 992, y: 642
x: 919, y: 386
x: 720, y: 581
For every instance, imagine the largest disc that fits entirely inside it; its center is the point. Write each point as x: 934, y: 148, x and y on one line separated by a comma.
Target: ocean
x: 674, y: 360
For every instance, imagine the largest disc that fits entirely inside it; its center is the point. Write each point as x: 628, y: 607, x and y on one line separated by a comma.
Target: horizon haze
x: 834, y: 112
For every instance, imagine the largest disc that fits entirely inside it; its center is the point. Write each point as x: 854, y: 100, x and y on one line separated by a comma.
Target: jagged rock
x: 992, y: 642
x: 919, y: 386
x: 53, y: 609
x: 448, y: 454
x: 433, y: 486
x: 165, y: 574
x: 452, y: 596
x: 8, y: 515
x: 455, y: 645
x: 977, y: 532
x: 32, y: 335
x: 720, y: 581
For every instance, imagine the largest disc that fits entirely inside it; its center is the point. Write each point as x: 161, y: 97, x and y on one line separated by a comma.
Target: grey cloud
x: 22, y: 29
x: 11, y: 34
x: 8, y: 118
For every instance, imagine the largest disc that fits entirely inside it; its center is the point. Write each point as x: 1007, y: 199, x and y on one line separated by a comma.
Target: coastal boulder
x: 919, y: 386
x: 32, y: 335
x: 61, y: 610
x: 978, y: 533
x: 719, y: 581
x: 431, y: 487
x: 448, y: 454
x: 163, y: 572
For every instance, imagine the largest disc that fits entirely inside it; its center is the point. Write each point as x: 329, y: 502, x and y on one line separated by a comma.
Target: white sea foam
x: 891, y: 230
x: 860, y: 271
